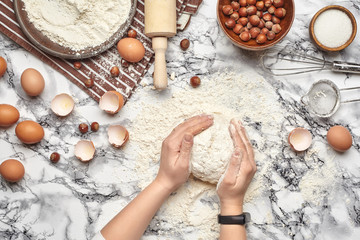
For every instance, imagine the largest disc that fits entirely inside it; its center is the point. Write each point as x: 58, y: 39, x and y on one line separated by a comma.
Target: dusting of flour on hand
x: 77, y: 24
x: 247, y: 97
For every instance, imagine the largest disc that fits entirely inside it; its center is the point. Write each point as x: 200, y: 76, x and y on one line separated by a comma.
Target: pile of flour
x: 78, y: 24
x: 247, y: 97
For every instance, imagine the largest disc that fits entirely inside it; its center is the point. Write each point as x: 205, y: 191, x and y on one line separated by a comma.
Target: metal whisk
x: 285, y: 62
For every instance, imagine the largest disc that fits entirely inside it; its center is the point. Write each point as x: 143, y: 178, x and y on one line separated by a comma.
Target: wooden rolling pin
x: 160, y: 23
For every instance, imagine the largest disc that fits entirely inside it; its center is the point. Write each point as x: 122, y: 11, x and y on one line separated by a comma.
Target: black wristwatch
x: 241, y: 219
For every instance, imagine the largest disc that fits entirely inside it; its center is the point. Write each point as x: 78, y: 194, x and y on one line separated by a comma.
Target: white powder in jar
x: 77, y: 24
x: 333, y: 28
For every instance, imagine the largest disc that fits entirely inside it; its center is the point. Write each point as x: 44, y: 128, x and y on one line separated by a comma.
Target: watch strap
x: 241, y: 219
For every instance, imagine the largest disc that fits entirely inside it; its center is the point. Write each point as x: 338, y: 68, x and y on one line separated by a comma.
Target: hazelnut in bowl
x: 255, y: 24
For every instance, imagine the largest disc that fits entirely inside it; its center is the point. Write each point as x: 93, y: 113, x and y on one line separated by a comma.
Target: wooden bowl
x: 252, y: 45
x: 316, y: 41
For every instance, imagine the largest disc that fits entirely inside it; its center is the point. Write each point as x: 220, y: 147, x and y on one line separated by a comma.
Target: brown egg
x: 8, y: 115
x: 12, y: 170
x: 131, y: 49
x: 3, y: 66
x: 339, y: 138
x: 29, y: 132
x: 32, y: 82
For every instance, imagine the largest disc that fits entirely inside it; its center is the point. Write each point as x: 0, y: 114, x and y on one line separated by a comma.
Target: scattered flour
x: 247, y: 97
x: 320, y: 180
x: 78, y: 24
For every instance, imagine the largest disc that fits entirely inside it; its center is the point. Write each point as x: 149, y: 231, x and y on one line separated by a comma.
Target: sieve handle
x: 345, y: 67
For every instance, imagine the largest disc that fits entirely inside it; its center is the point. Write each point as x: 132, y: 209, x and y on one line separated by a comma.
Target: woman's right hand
x: 233, y: 184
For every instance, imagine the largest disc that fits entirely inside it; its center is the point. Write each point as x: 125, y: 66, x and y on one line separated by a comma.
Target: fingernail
x: 240, y: 123
x: 210, y: 117
x: 188, y: 137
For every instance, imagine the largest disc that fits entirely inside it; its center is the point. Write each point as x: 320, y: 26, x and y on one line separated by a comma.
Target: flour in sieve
x: 78, y: 24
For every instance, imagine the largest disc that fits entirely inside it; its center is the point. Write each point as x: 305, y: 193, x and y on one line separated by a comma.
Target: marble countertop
x: 72, y: 200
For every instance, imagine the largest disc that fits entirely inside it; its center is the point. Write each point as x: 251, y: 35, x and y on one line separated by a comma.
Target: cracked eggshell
x: 300, y: 139
x: 85, y: 150
x: 62, y: 104
x: 111, y: 102
x: 118, y: 135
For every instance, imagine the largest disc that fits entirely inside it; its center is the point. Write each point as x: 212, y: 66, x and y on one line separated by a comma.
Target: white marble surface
x: 72, y: 200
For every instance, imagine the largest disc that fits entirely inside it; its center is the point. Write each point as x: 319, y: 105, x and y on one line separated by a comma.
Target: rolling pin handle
x: 159, y: 44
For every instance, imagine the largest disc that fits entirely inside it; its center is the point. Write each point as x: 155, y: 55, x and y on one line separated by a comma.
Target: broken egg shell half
x: 85, y: 150
x: 300, y: 139
x: 111, y: 102
x: 118, y: 135
x: 62, y: 104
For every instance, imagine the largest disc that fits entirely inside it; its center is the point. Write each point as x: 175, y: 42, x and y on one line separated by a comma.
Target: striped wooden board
x: 98, y: 68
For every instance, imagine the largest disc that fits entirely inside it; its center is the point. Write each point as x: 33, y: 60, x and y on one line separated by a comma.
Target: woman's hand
x: 233, y: 184
x: 176, y: 151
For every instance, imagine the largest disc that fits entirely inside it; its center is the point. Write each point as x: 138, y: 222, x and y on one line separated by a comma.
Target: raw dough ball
x: 212, y: 150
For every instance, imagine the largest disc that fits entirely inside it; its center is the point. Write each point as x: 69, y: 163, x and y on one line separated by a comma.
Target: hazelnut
x: 276, y: 28
x: 230, y: 23
x: 114, y: 71
x: 94, y: 126
x: 195, y: 81
x: 77, y: 65
x: 270, y: 35
x: 267, y: 17
x: 242, y: 3
x: 261, y: 24
x: 264, y: 31
x: 269, y: 25
x: 271, y: 9
x: 278, y: 3
x: 237, y: 28
x: 124, y: 63
x: 251, y: 10
x: 245, y: 36
x: 249, y: 25
x: 251, y: 2
x: 261, y: 38
x: 268, y: 3
x: 244, y: 29
x: 184, y: 44
x: 83, y: 128
x: 260, y: 5
x: 254, y: 32
x: 254, y: 20
x: 243, y: 21
x: 235, y: 5
x: 132, y: 33
x: 235, y: 16
x: 54, y: 157
x: 259, y: 14
x: 227, y: 9
x: 275, y: 19
x: 280, y: 12
x: 243, y: 12
x: 89, y: 82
